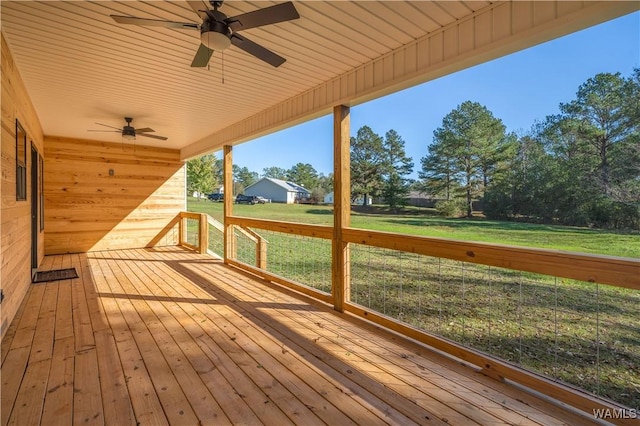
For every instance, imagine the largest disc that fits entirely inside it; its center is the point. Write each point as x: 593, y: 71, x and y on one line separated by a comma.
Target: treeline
x: 579, y: 167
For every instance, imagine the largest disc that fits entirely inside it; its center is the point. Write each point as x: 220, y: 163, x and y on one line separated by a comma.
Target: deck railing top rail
x: 610, y: 270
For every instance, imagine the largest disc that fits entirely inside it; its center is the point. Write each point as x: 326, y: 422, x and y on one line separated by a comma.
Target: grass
x: 577, y: 332
x: 422, y: 221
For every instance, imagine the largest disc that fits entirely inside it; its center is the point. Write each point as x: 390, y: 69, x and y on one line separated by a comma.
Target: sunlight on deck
x: 166, y: 336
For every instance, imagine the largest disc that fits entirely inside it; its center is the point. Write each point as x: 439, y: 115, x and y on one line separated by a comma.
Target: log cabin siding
x: 15, y: 216
x: 87, y: 209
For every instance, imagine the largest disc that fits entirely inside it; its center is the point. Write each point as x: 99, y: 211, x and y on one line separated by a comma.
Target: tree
x: 438, y: 172
x: 243, y: 177
x: 274, y: 173
x: 398, y: 166
x: 219, y: 171
x: 530, y: 186
x: 325, y: 182
x: 472, y: 143
x: 303, y: 174
x: 601, y: 120
x: 595, y: 141
x: 368, y: 164
x: 201, y: 174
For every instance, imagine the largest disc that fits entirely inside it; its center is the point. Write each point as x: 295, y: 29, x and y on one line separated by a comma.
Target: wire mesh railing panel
x: 580, y: 333
x: 192, y: 231
x: 216, y: 241
x: 245, y: 246
x: 304, y: 260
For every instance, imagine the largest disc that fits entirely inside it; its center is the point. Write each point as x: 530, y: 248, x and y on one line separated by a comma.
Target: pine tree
x: 368, y: 164
x: 398, y: 165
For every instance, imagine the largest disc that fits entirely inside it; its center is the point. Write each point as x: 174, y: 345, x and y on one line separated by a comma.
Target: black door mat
x: 55, y: 275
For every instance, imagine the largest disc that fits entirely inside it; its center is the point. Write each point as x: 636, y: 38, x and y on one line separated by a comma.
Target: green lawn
x: 577, y: 332
x: 422, y: 221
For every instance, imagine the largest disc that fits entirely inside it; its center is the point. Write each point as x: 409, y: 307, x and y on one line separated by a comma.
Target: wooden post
x: 341, y: 274
x: 229, y: 236
x: 203, y: 234
x: 182, y: 230
x: 261, y: 253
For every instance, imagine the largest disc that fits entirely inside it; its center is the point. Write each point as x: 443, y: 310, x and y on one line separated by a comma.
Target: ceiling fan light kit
x: 216, y: 36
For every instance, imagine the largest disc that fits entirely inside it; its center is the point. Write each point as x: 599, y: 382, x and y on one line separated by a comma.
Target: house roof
x: 287, y: 185
x: 81, y: 68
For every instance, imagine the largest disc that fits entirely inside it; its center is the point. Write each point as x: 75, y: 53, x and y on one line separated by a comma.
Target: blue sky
x: 520, y: 89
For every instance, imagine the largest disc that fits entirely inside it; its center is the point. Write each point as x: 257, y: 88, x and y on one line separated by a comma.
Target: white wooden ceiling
x: 80, y: 67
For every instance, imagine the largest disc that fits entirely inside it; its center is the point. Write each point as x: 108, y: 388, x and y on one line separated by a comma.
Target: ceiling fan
x: 218, y: 31
x: 129, y: 132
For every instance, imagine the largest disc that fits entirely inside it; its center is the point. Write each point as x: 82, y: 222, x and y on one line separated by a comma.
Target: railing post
x: 261, y: 253
x: 229, y: 235
x: 182, y: 231
x: 203, y: 234
x: 341, y: 274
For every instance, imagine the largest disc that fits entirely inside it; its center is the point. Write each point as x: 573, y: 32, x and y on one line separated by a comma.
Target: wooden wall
x: 15, y: 216
x: 89, y: 209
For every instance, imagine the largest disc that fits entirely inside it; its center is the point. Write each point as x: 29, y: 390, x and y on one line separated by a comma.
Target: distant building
x: 278, y: 191
x: 420, y: 199
x: 328, y: 199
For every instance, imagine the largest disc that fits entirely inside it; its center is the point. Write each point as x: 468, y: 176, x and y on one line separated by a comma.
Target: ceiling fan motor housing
x: 216, y: 35
x: 128, y: 132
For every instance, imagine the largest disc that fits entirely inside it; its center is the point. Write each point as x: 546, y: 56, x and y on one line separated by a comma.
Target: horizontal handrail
x: 610, y: 270
x: 315, y: 231
x: 190, y: 215
x: 615, y: 271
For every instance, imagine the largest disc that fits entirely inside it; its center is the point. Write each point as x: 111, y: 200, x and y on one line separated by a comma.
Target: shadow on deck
x: 166, y: 336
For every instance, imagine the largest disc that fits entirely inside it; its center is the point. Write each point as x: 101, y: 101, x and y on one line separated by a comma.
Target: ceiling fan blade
x: 162, y: 138
x: 198, y: 7
x: 109, y: 131
x: 144, y: 130
x: 106, y: 125
x: 202, y: 56
x: 154, y: 22
x: 269, y: 15
x: 257, y: 50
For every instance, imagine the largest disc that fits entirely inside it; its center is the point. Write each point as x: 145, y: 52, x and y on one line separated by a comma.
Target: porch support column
x: 229, y: 240
x: 341, y: 274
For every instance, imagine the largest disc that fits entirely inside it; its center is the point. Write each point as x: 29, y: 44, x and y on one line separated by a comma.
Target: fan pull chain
x: 222, y: 67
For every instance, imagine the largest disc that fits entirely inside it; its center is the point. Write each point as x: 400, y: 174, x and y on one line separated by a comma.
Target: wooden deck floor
x: 166, y: 336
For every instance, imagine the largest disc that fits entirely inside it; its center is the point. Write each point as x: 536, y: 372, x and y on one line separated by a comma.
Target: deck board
x: 166, y: 336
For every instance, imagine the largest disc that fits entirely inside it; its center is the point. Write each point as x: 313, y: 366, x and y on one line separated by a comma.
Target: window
x: 21, y: 162
x: 41, y: 165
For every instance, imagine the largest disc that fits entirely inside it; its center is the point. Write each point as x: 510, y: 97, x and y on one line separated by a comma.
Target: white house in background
x: 278, y: 191
x: 328, y: 199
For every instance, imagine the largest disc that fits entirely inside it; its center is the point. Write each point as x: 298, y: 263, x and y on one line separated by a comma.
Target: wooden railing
x: 201, y: 231
x: 607, y: 270
x: 260, y: 242
x: 610, y: 270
